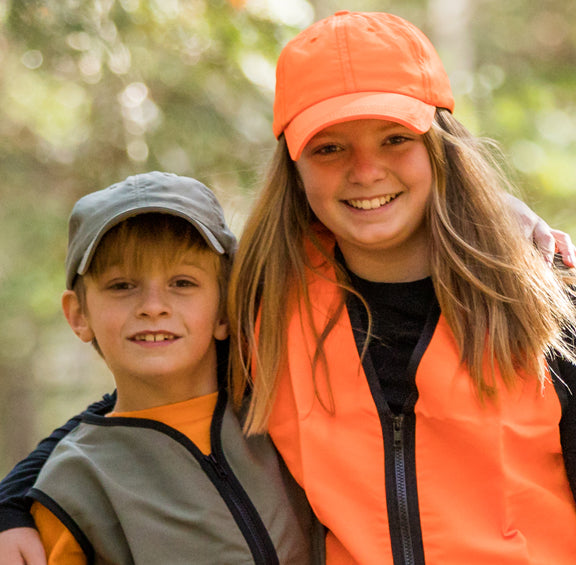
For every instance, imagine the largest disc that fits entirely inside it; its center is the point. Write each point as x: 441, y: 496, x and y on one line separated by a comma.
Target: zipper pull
x: 220, y: 471
x: 398, y: 425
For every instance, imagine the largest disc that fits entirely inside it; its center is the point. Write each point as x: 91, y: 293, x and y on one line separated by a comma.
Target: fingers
x: 565, y: 247
x: 544, y: 239
x: 551, y: 242
x: 21, y: 546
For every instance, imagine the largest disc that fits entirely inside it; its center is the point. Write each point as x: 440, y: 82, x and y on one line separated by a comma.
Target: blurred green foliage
x: 94, y: 90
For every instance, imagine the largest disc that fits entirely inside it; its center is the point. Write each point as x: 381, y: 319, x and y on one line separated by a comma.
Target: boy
x: 167, y: 477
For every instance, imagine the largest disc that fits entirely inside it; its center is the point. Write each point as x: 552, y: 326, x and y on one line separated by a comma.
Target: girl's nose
x: 366, y: 168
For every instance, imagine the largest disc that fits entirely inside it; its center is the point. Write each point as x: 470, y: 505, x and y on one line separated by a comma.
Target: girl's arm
x: 23, y: 543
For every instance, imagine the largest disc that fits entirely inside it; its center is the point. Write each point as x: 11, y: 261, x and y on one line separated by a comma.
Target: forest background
x: 94, y: 90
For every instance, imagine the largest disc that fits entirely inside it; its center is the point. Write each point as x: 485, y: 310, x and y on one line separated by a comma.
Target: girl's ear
x: 221, y: 329
x: 76, y: 317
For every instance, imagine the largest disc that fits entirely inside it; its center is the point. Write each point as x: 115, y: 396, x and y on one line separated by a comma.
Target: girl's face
x: 368, y: 181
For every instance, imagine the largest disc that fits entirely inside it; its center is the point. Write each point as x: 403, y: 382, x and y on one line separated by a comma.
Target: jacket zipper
x: 255, y: 534
x: 402, y: 490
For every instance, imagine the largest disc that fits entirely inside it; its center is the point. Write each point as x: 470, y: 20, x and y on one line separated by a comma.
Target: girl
x: 392, y: 325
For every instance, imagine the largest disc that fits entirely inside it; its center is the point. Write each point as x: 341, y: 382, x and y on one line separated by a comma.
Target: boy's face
x: 155, y: 326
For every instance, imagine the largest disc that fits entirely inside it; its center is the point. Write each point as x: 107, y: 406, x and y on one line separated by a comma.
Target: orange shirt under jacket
x: 465, y: 484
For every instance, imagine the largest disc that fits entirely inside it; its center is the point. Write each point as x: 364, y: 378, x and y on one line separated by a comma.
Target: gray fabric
x: 96, y: 213
x: 141, y: 497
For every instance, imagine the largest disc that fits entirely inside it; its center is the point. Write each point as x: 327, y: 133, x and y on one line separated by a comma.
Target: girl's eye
x: 396, y: 139
x: 327, y: 149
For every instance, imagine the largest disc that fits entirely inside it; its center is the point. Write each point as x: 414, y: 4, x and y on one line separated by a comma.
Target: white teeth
x: 373, y: 203
x: 154, y: 337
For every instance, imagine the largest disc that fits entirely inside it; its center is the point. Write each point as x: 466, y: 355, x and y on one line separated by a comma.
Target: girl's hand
x: 21, y: 546
x: 547, y: 240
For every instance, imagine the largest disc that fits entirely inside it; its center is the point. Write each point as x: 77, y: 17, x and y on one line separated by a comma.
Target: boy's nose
x: 153, y: 302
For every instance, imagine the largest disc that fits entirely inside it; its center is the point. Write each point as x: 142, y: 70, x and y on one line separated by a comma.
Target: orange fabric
x: 191, y: 417
x: 60, y: 545
x: 510, y: 452
x: 492, y: 487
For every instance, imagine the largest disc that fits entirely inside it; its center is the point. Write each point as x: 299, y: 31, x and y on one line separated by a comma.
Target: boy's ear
x: 76, y: 317
x: 221, y: 329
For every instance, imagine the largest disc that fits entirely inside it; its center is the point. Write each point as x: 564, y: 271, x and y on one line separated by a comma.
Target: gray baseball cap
x: 96, y: 213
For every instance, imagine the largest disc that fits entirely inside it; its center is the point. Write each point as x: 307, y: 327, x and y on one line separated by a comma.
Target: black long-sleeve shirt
x: 14, y: 506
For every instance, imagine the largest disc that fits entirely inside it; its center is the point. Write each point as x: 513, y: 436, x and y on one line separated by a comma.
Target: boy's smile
x: 154, y: 337
x: 156, y: 327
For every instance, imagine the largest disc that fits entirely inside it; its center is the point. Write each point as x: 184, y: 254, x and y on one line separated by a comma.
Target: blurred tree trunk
x: 17, y: 413
x: 450, y: 31
x: 322, y: 8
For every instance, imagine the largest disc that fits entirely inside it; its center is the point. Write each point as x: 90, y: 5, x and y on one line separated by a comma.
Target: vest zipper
x: 221, y: 475
x: 218, y: 469
x: 398, y: 430
x: 244, y: 513
x: 402, y: 490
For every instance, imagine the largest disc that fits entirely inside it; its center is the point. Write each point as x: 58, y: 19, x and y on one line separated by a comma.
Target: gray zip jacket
x: 136, y: 491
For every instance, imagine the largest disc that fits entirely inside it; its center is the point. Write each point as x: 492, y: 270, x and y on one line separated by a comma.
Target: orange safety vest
x: 450, y: 482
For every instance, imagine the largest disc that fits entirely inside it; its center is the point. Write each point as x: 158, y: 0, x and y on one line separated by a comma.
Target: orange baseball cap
x: 356, y: 65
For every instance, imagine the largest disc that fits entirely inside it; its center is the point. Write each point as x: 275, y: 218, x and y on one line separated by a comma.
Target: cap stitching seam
x: 344, y: 53
x: 416, y: 48
x: 137, y: 186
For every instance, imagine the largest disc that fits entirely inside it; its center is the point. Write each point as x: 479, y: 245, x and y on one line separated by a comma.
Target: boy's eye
x: 120, y: 285
x: 184, y: 283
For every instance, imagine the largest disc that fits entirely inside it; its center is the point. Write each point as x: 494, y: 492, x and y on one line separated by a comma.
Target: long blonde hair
x: 495, y: 291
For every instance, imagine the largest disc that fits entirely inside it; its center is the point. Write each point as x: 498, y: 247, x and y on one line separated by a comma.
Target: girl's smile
x: 368, y: 181
x: 372, y: 203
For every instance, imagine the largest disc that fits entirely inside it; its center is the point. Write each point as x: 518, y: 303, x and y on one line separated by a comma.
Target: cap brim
x: 86, y: 259
x: 410, y: 112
